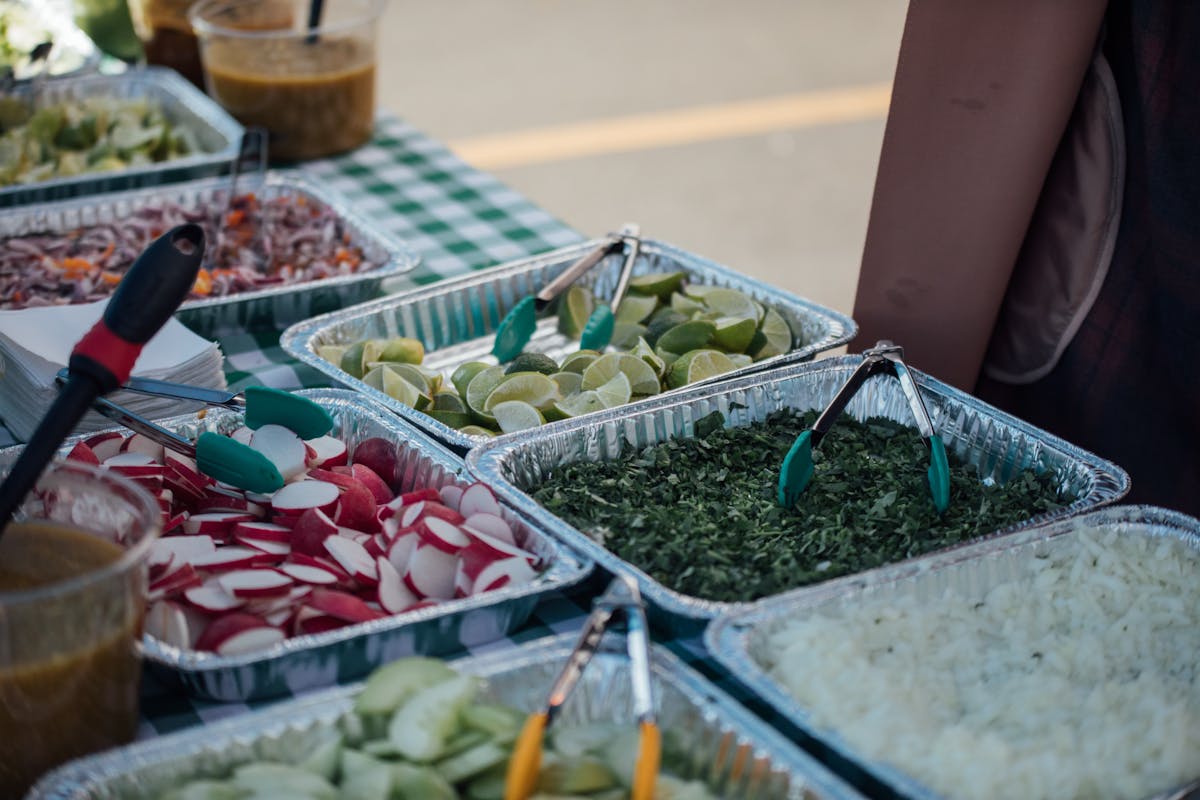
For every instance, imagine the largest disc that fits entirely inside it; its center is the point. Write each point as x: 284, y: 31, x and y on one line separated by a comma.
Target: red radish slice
x: 341, y: 605
x: 139, y: 443
x: 317, y: 622
x: 279, y: 618
x: 393, y: 595
x: 478, y: 499
x: 266, y: 531
x: 401, y: 551
x: 443, y: 535
x: 356, y: 507
x: 289, y: 600
x: 215, y: 523
x: 377, y: 486
x: 228, y: 558
x: 265, y: 545
x: 490, y: 525
x: 374, y: 547
x: 463, y: 583
x: 283, y: 447
x: 175, y: 522
x: 451, y: 496
x: 431, y: 572
x: 328, y: 451
x: 493, y: 548
x: 250, y: 640
x: 296, y: 498
x: 212, y: 598
x: 250, y: 583
x: 81, y: 452
x: 505, y: 572
x: 220, y: 501
x: 242, y: 434
x: 105, y: 444
x: 174, y: 582
x: 428, y: 508
x: 185, y: 548
x: 315, y: 576
x: 166, y: 621
x: 159, y: 565
x: 380, y: 455
x: 354, y: 558
x: 340, y: 479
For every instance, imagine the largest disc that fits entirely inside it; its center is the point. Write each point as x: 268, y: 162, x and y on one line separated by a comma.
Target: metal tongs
x: 620, y: 598
x: 519, y: 324
x: 884, y: 358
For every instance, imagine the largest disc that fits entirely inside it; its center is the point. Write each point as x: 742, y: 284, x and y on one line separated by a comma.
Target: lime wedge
x: 579, y: 404
x: 579, y: 361
x: 616, y: 392
x: 533, y: 388
x: 533, y: 362
x: 635, y: 308
x: 515, y: 415
x: 451, y: 419
x: 732, y: 303
x: 642, y: 379
x: 645, y: 352
x: 691, y: 335
x: 659, y: 284
x: 463, y: 375
x: 740, y: 359
x: 774, y: 337
x: 400, y: 389
x: 374, y: 378
x: 698, y: 365
x: 568, y: 382
x: 448, y: 401
x: 685, y: 305
x: 410, y: 373
x: 475, y: 430
x: 626, y: 334
x: 332, y: 353
x: 402, y: 348
x: 352, y: 359
x: 482, y: 385
x: 573, y: 311
x: 733, y: 334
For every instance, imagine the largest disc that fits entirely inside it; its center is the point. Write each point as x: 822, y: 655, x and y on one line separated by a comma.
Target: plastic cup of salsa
x: 312, y: 90
x: 73, y: 577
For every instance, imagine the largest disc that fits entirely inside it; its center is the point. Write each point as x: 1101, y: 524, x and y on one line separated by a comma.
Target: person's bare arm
x: 983, y: 92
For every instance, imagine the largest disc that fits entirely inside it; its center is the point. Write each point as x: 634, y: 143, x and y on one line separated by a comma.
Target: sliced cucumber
x: 470, y: 763
x: 489, y: 785
x: 390, y: 686
x: 324, y: 759
x: 577, y: 775
x: 420, y: 783
x: 500, y: 722
x: 364, y: 777
x: 421, y: 726
x: 578, y: 740
x: 266, y: 777
x: 463, y: 739
x: 208, y: 790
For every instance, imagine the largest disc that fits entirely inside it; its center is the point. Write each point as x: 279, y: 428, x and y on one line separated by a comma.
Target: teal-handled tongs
x: 884, y: 358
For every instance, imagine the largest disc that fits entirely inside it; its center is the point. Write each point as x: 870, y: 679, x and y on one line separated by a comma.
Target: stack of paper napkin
x: 35, y: 343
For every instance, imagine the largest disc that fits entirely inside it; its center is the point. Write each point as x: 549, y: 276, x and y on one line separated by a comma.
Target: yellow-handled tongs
x: 621, y: 599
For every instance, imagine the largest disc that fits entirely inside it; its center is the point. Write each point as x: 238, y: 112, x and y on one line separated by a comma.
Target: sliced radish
x: 353, y: 558
x: 505, y: 572
x: 478, y: 499
x: 342, y: 605
x: 81, y: 452
x: 279, y: 618
x: 174, y: 582
x: 316, y: 622
x: 222, y: 501
x: 463, y: 583
x: 496, y: 548
x: 185, y: 548
x: 140, y: 443
x: 377, y: 486
x: 218, y: 524
x: 401, y: 550
x: 167, y: 622
x: 490, y: 525
x: 104, y: 445
x: 431, y: 572
x: 428, y: 508
x: 174, y: 522
x: 212, y: 598
x: 380, y: 455
x: 356, y: 508
x: 451, y: 496
x: 266, y: 545
x: 250, y: 583
x: 234, y: 557
x: 442, y: 535
x: 250, y: 640
x: 296, y: 498
x: 282, y: 447
x: 304, y: 573
x: 242, y: 434
x: 266, y: 531
x: 328, y: 451
x: 393, y: 595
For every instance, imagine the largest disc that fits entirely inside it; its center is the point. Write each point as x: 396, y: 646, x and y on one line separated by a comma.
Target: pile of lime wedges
x: 667, y: 334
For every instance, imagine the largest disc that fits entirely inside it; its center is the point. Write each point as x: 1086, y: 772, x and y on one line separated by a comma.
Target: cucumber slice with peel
x: 364, y: 777
x: 419, y: 783
x: 500, y: 722
x: 213, y: 790
x: 266, y: 777
x: 390, y: 686
x: 470, y: 763
x: 421, y: 726
x: 324, y: 759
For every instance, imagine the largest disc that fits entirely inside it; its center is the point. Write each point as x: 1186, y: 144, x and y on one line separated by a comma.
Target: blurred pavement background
x: 747, y: 132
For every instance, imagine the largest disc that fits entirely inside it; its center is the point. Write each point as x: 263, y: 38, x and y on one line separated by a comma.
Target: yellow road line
x: 677, y: 127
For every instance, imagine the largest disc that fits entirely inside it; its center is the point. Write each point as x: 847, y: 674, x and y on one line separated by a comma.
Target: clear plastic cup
x: 166, y: 36
x: 73, y: 579
x: 313, y: 91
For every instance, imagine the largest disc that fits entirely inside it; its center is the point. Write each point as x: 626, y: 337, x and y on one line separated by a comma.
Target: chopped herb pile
x: 699, y: 515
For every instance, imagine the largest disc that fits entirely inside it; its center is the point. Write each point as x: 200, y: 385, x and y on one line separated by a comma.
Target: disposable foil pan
x: 996, y: 444
x: 724, y: 746
x: 305, y: 662
x: 457, y: 319
x: 737, y: 638
x: 274, y: 307
x: 218, y: 134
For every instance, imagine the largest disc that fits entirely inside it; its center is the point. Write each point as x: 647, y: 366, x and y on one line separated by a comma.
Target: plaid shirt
x: 1128, y: 385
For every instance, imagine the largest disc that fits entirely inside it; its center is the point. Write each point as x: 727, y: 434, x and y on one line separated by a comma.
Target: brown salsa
x: 314, y: 98
x: 167, y: 37
x: 69, y: 671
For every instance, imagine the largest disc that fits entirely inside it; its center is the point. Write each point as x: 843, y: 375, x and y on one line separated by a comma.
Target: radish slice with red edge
x: 296, y: 498
x: 250, y: 583
x: 212, y: 599
x: 490, y: 525
x: 283, y: 448
x: 431, y: 572
x: 304, y: 573
x: 478, y: 499
x: 353, y: 557
x: 393, y: 595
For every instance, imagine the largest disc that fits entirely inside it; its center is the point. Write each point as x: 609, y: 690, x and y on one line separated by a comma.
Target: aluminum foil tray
x: 219, y: 134
x: 736, y: 638
x: 995, y: 443
x: 726, y: 747
x: 457, y: 319
x: 275, y: 307
x: 305, y: 662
